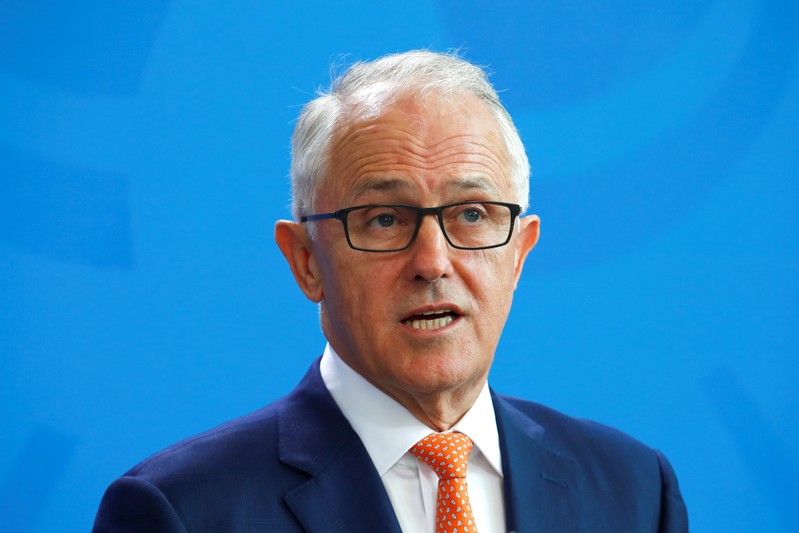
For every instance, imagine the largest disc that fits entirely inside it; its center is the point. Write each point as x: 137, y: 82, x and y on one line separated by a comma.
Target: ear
x: 525, y: 241
x: 293, y: 240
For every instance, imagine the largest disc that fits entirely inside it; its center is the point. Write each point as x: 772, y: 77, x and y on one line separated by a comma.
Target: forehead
x: 409, y: 146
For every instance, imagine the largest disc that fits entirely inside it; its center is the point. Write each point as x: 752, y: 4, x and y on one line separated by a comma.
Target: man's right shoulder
x: 214, y: 478
x: 242, y: 446
x: 251, y: 438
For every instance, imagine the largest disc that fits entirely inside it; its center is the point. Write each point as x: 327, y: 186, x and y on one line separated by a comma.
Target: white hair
x: 418, y: 71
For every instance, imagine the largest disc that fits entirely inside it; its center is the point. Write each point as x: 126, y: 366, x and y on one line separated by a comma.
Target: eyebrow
x: 382, y: 184
x: 469, y: 183
x: 479, y: 183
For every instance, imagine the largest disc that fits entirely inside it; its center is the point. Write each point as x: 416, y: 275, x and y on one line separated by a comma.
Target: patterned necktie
x: 446, y: 454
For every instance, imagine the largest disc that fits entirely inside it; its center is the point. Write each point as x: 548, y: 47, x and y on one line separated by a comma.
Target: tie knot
x: 445, y: 453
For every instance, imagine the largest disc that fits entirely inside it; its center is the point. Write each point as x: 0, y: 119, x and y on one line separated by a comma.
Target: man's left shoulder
x: 572, y: 436
x: 616, y: 478
x: 601, y: 454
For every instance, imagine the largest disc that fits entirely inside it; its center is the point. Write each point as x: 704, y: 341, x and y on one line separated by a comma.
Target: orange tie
x: 446, y: 454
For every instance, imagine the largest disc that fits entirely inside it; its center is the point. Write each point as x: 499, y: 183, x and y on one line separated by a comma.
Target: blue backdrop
x: 144, y: 152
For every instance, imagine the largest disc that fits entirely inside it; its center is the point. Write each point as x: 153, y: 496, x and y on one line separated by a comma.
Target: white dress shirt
x: 388, y: 431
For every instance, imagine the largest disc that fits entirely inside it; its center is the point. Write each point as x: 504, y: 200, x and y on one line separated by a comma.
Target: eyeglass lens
x: 391, y: 227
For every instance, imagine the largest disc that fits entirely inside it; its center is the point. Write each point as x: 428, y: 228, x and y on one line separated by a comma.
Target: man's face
x: 424, y: 153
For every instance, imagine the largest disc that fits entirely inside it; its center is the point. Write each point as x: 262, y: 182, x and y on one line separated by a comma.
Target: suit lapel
x: 344, y: 492
x: 540, y: 485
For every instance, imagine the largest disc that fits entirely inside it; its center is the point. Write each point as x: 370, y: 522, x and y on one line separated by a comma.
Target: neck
x: 439, y: 411
x: 438, y: 405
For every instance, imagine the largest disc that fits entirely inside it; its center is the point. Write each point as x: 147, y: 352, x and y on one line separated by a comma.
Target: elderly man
x: 409, y: 180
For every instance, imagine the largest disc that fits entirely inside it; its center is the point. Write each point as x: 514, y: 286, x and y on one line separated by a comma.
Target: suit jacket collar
x: 540, y: 484
x: 344, y: 492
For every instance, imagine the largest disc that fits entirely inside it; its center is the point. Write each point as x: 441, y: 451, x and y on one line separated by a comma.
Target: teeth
x: 436, y: 312
x: 434, y: 323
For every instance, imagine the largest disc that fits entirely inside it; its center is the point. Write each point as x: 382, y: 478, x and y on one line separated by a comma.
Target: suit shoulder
x: 226, y: 473
x: 579, y: 437
x: 644, y: 487
x: 239, y: 441
x: 246, y: 447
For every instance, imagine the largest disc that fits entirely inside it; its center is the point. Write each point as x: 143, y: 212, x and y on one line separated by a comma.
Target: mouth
x: 431, y: 319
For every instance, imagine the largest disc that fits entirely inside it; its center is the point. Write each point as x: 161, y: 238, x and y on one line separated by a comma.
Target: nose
x: 430, y: 259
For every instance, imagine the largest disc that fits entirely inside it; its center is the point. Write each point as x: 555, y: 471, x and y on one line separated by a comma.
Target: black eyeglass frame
x: 421, y: 212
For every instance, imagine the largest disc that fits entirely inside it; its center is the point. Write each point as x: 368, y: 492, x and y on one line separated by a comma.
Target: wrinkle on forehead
x: 437, y: 139
x: 375, y: 150
x: 464, y: 184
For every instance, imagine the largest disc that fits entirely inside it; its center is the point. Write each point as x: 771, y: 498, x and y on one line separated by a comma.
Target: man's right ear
x: 293, y: 240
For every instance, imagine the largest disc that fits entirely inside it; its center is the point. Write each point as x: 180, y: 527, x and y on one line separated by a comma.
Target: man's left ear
x: 525, y: 241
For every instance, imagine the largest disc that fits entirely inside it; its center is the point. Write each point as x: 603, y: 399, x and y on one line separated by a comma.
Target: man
x: 408, y: 181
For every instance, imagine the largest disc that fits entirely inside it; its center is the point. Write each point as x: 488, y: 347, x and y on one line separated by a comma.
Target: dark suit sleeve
x: 133, y: 505
x: 673, y: 514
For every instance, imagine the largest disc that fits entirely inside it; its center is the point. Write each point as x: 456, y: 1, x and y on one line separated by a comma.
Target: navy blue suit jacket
x: 297, y: 465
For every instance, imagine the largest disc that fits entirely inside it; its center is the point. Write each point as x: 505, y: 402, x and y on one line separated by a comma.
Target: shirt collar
x: 387, y: 429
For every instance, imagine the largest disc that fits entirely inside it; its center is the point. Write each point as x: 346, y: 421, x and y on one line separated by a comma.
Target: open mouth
x: 435, y: 319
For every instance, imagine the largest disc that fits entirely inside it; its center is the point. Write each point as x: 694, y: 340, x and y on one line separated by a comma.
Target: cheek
x: 339, y: 296
x: 358, y: 291
x: 491, y: 272
x: 490, y: 276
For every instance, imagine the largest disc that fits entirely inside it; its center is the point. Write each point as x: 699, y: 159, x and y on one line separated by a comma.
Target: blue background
x: 144, y: 153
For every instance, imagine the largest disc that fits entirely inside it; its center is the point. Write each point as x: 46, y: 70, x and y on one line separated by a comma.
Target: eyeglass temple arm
x: 322, y: 216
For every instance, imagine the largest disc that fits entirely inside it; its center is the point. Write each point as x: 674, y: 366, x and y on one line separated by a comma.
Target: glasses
x: 393, y: 227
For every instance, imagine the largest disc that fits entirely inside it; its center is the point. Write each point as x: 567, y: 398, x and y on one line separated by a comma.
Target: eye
x: 385, y: 220
x: 380, y: 218
x: 383, y: 217
x: 471, y: 215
